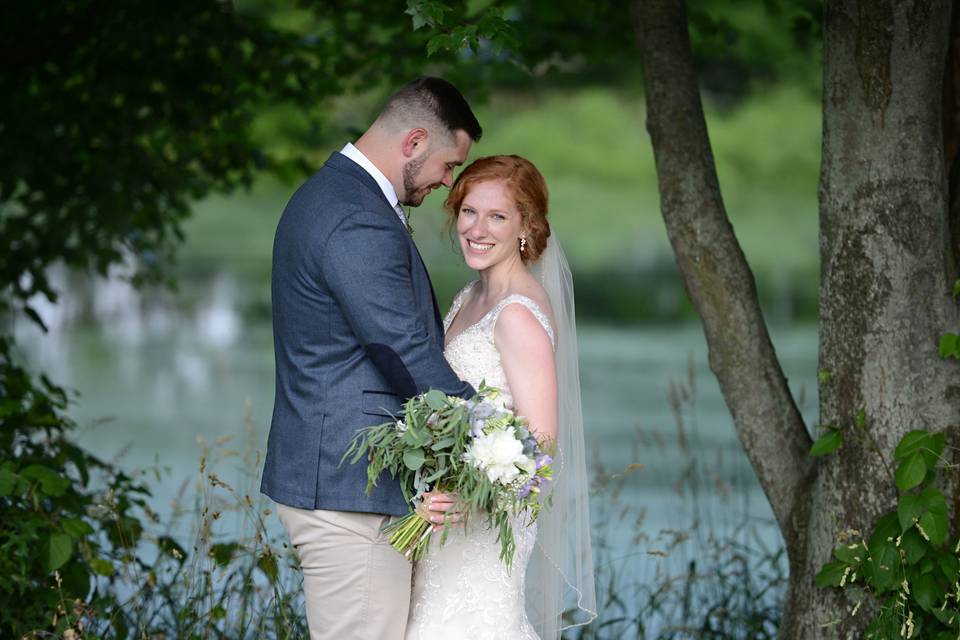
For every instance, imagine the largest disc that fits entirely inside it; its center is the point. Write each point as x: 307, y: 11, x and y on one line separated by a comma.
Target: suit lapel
x: 437, y: 319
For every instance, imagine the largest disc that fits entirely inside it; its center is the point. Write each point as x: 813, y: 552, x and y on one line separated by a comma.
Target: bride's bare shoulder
x: 530, y: 288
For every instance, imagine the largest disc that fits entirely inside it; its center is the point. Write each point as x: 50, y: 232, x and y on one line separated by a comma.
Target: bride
x: 513, y: 329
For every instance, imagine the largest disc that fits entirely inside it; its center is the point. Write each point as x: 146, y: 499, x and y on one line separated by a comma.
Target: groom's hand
x: 440, y: 508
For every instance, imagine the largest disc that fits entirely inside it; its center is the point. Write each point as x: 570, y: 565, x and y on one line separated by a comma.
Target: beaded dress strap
x: 534, y: 308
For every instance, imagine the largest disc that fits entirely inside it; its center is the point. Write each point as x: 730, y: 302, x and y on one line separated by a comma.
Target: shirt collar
x: 385, y: 185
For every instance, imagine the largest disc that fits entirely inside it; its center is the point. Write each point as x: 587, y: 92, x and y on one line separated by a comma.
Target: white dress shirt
x: 385, y: 185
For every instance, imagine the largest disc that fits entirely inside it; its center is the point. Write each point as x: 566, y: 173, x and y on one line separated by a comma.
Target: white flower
x: 401, y: 426
x: 499, y: 454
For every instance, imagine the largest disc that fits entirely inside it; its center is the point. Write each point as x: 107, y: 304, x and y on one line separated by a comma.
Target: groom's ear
x: 414, y: 142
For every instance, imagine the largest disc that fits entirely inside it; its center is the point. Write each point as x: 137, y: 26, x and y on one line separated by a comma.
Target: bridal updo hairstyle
x: 525, y: 185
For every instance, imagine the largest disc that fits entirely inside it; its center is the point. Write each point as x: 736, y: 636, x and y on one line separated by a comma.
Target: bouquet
x: 484, y: 454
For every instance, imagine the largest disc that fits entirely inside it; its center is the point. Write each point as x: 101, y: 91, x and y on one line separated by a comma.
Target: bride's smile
x: 489, y: 226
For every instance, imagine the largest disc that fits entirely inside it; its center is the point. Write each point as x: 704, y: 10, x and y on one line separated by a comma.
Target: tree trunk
x: 716, y: 274
x: 885, y: 263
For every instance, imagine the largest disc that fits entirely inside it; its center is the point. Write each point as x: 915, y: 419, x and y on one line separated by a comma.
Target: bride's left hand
x: 440, y: 508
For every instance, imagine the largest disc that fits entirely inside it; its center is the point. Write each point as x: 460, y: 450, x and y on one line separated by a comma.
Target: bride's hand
x: 440, y: 508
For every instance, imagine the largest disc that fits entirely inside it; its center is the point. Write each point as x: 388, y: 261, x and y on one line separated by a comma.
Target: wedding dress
x: 463, y: 590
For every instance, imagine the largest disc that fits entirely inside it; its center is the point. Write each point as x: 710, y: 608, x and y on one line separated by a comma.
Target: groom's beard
x: 411, y: 171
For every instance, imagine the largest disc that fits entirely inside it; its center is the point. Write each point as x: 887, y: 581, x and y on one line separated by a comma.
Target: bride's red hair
x: 525, y: 185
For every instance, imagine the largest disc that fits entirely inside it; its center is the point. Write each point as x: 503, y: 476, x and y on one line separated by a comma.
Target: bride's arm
x: 527, y: 358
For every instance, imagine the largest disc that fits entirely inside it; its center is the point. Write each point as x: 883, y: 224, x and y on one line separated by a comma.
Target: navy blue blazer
x: 357, y: 331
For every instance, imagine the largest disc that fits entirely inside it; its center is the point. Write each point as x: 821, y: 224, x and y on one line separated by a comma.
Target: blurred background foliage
x: 158, y: 143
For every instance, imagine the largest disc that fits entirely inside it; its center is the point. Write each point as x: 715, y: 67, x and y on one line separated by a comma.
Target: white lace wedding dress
x: 462, y: 590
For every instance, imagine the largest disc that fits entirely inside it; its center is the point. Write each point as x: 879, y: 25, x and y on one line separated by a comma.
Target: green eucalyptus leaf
x: 413, y: 459
x: 827, y: 443
x: 911, y: 472
x: 435, y: 399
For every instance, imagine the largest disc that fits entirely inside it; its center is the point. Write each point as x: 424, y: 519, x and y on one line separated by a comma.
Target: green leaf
x: 933, y: 450
x: 77, y: 528
x: 222, y: 552
x: 51, y: 483
x: 911, y: 472
x: 956, y: 289
x: 824, y: 376
x: 267, y: 563
x: 860, y: 420
x: 831, y: 574
x: 57, y: 550
x: 827, y: 443
x: 435, y: 399
x: 935, y: 520
x: 413, y: 459
x: 950, y: 345
x: 909, y: 508
x: 910, y: 443
x: 936, y: 525
x: 851, y: 554
x: 102, y: 567
x: 914, y: 546
x: 924, y: 591
x: 950, y: 566
x: 884, y: 555
x: 8, y: 480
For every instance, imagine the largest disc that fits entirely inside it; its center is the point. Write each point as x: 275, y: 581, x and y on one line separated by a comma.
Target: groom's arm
x: 366, y: 265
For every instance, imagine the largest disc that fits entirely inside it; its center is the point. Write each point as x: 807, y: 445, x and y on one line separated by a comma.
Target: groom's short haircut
x: 431, y: 103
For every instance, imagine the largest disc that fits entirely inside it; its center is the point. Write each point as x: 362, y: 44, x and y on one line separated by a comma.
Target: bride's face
x: 489, y: 225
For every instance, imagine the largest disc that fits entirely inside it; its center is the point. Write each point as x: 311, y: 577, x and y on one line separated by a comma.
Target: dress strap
x: 534, y: 308
x: 456, y: 304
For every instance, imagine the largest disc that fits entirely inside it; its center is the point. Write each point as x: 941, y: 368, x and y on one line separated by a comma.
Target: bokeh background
x: 163, y: 373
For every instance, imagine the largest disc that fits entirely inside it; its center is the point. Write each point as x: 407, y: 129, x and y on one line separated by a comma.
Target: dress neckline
x: 458, y: 304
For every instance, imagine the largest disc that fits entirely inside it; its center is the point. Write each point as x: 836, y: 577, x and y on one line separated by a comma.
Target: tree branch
x: 715, y: 271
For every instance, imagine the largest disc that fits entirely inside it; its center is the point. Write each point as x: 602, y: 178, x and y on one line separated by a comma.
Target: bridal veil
x: 560, y: 591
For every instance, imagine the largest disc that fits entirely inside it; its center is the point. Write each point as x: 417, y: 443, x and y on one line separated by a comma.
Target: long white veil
x: 560, y: 590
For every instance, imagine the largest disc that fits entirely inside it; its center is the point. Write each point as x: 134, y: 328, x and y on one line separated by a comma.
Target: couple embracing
x: 357, y: 331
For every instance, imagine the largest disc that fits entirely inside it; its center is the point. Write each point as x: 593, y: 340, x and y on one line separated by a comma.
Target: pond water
x: 152, y: 382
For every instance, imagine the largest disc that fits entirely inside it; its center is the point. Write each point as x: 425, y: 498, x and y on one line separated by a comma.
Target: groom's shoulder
x: 333, y: 193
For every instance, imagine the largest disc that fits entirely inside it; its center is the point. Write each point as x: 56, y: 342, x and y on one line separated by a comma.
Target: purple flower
x: 544, y: 460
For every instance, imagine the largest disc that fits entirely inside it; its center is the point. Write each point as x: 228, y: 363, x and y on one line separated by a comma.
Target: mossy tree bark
x: 887, y: 265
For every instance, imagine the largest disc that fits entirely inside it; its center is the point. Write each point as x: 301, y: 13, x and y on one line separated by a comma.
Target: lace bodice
x: 462, y: 590
x: 473, y: 354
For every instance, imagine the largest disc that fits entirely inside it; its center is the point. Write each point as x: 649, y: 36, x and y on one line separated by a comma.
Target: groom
x: 357, y: 330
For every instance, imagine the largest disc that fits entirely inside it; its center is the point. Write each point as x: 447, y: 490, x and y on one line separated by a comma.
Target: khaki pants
x: 355, y: 585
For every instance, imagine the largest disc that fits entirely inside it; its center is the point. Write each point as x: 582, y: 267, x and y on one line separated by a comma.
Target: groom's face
x: 433, y: 168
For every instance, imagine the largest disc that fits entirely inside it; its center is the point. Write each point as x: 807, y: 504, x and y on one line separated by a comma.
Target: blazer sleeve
x: 367, y: 267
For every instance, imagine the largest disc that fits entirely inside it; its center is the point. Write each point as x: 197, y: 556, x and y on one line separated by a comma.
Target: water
x: 151, y: 381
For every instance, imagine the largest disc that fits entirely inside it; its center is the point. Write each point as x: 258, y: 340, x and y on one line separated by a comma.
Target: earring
x: 523, y: 243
